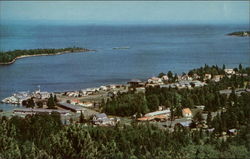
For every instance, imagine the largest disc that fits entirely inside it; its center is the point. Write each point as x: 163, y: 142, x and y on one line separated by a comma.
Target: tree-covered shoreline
x: 10, y: 57
x: 240, y: 33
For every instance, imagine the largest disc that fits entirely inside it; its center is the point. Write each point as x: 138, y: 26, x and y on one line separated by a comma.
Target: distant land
x: 240, y: 33
x: 9, y: 57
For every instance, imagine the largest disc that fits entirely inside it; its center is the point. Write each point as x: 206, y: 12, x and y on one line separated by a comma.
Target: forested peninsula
x: 240, y: 33
x: 10, y: 57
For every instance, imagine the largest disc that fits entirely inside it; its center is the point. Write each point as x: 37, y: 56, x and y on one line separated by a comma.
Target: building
x: 26, y: 111
x: 186, y: 77
x: 155, y: 80
x: 207, y: 76
x: 87, y: 104
x: 232, y: 132
x: 217, y: 78
x: 75, y: 101
x: 112, y: 86
x: 195, y: 76
x: 197, y: 83
x: 201, y: 107
x: 102, y: 119
x: 165, y: 78
x: 104, y: 88
x: 184, y: 124
x: 136, y: 83
x: 71, y: 107
x: 186, y: 112
x: 229, y: 71
x: 163, y: 112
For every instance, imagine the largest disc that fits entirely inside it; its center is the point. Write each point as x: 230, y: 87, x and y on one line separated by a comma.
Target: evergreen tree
x: 51, y: 102
x: 209, y: 119
x: 55, y: 99
x: 81, y: 118
x: 170, y: 75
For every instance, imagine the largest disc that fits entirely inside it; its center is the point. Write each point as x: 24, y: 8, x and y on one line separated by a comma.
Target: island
x: 9, y: 57
x: 240, y: 33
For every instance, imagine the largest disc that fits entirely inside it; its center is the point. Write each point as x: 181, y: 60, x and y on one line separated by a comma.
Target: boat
x: 125, y: 47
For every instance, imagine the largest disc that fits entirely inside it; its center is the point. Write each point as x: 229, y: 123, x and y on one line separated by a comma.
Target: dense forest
x: 43, y: 136
x: 9, y: 56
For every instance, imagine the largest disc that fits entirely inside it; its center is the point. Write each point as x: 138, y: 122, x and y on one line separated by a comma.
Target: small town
x: 88, y: 104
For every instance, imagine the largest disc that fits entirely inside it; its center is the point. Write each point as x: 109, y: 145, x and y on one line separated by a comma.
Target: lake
x: 151, y: 49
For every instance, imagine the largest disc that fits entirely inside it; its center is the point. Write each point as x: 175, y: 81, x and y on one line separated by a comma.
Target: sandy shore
x: 59, y: 53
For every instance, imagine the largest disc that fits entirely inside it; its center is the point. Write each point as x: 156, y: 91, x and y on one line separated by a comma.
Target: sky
x: 116, y: 12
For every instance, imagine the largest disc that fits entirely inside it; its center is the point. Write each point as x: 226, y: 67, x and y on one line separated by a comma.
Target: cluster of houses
x: 102, y: 119
x: 92, y: 91
x: 184, y: 81
x: 19, y: 97
x: 84, y: 104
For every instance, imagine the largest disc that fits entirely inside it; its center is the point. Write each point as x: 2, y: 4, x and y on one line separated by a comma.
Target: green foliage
x: 126, y: 104
x: 51, y: 102
x: 9, y: 56
x: 134, y: 141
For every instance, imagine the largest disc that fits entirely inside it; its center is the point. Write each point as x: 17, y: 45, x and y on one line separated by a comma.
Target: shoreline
x: 58, y: 53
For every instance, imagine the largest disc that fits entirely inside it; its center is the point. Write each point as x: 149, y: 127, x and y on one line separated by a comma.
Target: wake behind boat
x: 125, y: 47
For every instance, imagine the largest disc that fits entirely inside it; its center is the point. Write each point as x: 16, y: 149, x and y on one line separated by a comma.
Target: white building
x: 229, y: 71
x: 155, y: 80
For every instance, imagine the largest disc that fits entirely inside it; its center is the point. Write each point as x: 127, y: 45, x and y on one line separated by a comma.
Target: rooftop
x: 186, y: 111
x: 71, y: 106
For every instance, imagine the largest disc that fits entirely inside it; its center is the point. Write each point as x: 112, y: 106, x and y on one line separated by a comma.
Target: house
x: 111, y: 94
x: 156, y: 118
x: 207, y: 76
x: 112, y: 86
x: 145, y: 118
x: 165, y: 78
x: 211, y: 130
x: 201, y: 107
x: 136, y: 83
x: 229, y: 71
x: 140, y: 89
x: 197, y: 83
x: 155, y: 80
x: 163, y: 112
x: 75, y: 101
x: 104, y: 88
x: 165, y: 85
x: 186, y: 77
x: 87, y: 104
x: 42, y: 95
x: 186, y: 112
x: 195, y: 76
x: 217, y: 78
x: 151, y: 85
x: 160, y: 108
x: 232, y: 132
x: 102, y: 119
x: 184, y: 123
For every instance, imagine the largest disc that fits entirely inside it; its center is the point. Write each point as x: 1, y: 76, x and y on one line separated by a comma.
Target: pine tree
x: 55, y: 99
x: 51, y: 103
x: 209, y: 119
x: 82, y: 118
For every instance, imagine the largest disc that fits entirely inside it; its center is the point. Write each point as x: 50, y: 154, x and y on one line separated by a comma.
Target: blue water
x: 153, y: 49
